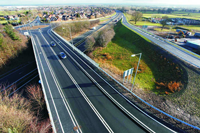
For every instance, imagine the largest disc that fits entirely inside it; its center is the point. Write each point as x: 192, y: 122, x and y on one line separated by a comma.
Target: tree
x: 78, y: 15
x: 90, y: 41
x: 105, y: 36
x: 136, y: 16
x: 169, y: 10
x: 164, y: 21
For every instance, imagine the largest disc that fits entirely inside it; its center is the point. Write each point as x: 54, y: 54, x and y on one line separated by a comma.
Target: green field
x: 3, y: 21
x: 141, y: 23
x: 195, y: 16
x: 11, y: 12
x: 153, y: 66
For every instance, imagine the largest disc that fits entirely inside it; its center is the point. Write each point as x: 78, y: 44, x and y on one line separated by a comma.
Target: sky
x: 140, y: 2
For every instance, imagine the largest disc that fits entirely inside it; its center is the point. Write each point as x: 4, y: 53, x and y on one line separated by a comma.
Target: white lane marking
x: 45, y: 96
x: 62, y: 95
x: 50, y: 90
x: 120, y: 93
x: 18, y: 80
x: 83, y: 94
x: 14, y: 71
x: 118, y: 104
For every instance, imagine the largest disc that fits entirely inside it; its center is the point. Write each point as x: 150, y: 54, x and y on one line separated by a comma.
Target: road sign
x: 127, y: 73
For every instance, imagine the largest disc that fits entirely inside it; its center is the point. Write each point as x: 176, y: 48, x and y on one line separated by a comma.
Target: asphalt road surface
x: 191, y: 59
x: 96, y: 105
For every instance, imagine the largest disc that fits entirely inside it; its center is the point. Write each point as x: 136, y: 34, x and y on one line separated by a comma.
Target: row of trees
x: 100, y: 39
x: 75, y: 27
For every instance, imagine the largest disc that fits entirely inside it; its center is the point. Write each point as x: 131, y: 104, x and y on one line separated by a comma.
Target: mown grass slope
x: 154, y: 67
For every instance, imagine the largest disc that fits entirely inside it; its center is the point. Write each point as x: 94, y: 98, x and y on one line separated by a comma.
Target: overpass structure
x: 81, y: 100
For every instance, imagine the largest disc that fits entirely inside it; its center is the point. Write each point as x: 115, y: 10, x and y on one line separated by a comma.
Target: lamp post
x: 137, y: 68
x: 69, y: 32
x: 71, y: 35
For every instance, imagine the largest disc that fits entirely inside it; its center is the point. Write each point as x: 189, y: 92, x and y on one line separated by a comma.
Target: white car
x: 94, y: 28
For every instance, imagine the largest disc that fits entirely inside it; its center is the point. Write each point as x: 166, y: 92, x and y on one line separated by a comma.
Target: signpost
x: 127, y: 73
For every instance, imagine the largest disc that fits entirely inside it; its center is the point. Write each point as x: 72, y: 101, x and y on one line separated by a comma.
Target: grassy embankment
x: 154, y: 68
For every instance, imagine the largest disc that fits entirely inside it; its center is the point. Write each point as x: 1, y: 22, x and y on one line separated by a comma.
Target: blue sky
x: 142, y: 2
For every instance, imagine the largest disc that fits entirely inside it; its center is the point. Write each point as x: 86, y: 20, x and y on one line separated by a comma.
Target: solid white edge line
x: 84, y: 95
x: 119, y: 105
x: 62, y: 95
x: 43, y: 88
x: 51, y: 93
x: 18, y: 80
x: 124, y: 97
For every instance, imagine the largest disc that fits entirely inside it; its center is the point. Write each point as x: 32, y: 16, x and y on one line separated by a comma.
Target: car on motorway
x: 62, y: 55
x: 53, y: 44
x: 94, y: 28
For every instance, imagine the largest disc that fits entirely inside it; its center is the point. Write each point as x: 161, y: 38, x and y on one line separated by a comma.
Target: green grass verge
x: 153, y: 66
x: 136, y: 32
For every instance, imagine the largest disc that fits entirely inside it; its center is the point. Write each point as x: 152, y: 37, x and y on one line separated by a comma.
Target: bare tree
x: 105, y: 36
x: 164, y: 21
x: 90, y: 41
x: 136, y: 16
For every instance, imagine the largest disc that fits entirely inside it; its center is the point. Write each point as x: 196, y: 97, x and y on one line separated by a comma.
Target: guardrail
x: 97, y: 65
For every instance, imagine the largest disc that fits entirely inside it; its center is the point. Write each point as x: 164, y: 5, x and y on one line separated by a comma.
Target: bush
x: 17, y: 114
x: 9, y: 30
x: 105, y: 36
x: 90, y: 41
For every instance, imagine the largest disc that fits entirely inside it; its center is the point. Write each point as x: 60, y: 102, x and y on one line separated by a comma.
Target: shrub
x: 17, y: 115
x: 172, y: 86
x: 9, y: 30
x: 105, y: 36
x: 90, y: 41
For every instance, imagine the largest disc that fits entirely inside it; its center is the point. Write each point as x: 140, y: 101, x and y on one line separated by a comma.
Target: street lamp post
x: 71, y: 35
x: 136, y: 69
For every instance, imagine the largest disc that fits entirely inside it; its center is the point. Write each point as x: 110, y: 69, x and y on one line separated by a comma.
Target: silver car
x: 62, y: 55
